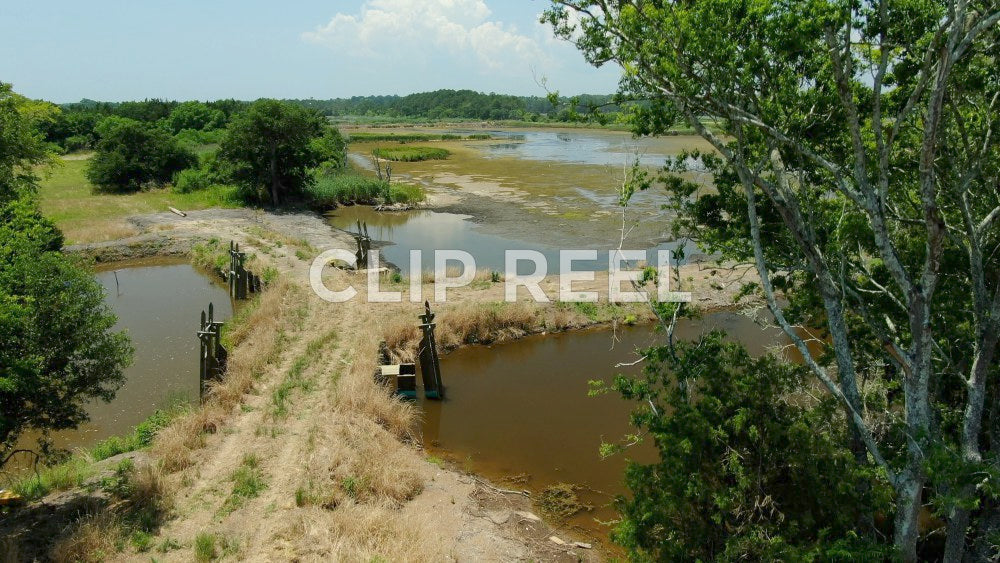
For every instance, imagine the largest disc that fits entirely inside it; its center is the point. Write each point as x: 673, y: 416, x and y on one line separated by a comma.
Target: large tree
x: 272, y: 146
x: 57, y: 347
x: 857, y: 165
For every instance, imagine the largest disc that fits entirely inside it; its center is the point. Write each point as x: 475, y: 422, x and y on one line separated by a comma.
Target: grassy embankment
x: 67, y: 197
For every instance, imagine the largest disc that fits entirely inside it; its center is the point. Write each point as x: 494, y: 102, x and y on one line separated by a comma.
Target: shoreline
x: 273, y: 239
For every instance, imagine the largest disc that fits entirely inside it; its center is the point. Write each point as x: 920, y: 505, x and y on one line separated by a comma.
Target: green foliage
x: 196, y: 140
x: 330, y: 148
x: 204, y: 547
x: 347, y: 188
x: 411, y: 154
x: 211, y: 171
x: 195, y: 116
x: 132, y: 154
x: 248, y: 482
x: 857, y: 169
x: 73, y: 471
x: 21, y: 145
x: 57, y: 348
x: 750, y: 467
x: 140, y: 437
x: 272, y: 146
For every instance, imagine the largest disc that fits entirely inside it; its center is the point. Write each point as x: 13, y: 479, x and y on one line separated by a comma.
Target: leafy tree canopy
x: 195, y: 115
x: 57, y: 348
x: 273, y: 145
x: 132, y: 154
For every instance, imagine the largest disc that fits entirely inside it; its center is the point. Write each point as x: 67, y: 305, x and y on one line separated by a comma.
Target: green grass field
x: 66, y: 197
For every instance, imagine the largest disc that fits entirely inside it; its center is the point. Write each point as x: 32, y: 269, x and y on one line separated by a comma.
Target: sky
x: 114, y: 50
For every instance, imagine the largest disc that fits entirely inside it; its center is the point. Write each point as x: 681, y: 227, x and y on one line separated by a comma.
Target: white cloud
x: 415, y: 30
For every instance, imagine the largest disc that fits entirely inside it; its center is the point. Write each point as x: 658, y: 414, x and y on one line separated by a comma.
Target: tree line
x: 75, y: 127
x: 464, y: 104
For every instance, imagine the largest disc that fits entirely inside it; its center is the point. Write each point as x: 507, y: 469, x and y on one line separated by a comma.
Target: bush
x: 192, y: 179
x: 347, y: 188
x: 132, y: 154
x: 193, y: 138
x: 750, y: 468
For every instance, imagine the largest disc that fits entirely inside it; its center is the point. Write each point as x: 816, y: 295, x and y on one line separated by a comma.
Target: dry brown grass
x: 473, y: 323
x: 358, y: 393
x: 93, y: 538
x: 362, y: 533
x: 478, y: 323
x: 355, y: 460
x: 96, y: 536
x: 256, y: 340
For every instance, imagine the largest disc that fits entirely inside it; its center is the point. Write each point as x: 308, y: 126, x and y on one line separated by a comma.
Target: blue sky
x: 207, y: 49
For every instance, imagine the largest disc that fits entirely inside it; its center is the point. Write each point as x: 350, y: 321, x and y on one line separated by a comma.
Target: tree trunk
x: 908, y: 503
x: 275, y: 183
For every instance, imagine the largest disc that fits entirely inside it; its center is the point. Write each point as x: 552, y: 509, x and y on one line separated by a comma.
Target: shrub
x: 132, y: 154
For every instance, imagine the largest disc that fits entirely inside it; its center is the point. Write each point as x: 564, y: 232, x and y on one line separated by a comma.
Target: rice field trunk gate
x: 400, y: 377
x: 213, y: 355
x: 241, y: 280
x: 430, y: 367
x: 364, y: 242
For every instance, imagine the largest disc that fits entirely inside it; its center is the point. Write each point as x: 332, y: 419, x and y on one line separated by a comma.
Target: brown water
x: 522, y: 408
x: 158, y: 303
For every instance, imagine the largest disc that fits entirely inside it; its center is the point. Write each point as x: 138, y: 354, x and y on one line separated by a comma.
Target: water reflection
x: 430, y: 230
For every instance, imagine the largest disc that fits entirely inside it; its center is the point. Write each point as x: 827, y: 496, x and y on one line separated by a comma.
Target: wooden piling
x: 212, y: 357
x: 430, y: 367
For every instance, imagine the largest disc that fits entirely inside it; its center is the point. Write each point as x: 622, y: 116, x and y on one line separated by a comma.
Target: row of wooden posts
x: 241, y: 281
x: 403, y: 377
x: 213, y: 355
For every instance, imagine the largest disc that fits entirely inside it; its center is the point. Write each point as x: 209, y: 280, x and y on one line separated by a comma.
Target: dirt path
x: 300, y: 455
x: 342, y: 477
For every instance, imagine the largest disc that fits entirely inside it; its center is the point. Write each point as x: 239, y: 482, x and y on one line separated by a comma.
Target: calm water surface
x: 428, y: 231
x: 523, y: 408
x: 158, y: 303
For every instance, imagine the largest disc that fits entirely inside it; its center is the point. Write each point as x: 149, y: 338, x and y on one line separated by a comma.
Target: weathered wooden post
x: 213, y: 355
x: 202, y: 356
x: 430, y: 368
x: 364, y: 243
x: 238, y: 275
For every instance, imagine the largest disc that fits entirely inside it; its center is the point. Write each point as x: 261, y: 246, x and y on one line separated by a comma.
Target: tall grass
x: 349, y: 188
x: 411, y: 154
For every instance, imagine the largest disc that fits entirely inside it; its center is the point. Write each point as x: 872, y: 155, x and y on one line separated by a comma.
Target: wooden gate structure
x: 213, y: 355
x: 241, y: 281
x: 430, y: 368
